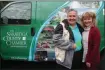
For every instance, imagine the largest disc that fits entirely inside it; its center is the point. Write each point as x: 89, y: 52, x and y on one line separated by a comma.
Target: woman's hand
x: 74, y: 46
x: 88, y: 64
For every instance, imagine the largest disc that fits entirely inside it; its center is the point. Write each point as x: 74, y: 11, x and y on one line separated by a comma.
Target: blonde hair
x: 89, y: 14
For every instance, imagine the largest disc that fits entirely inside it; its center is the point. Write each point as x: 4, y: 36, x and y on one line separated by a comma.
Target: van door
x: 16, y: 30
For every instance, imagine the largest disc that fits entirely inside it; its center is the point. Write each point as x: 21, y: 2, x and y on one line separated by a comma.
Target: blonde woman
x: 91, y: 41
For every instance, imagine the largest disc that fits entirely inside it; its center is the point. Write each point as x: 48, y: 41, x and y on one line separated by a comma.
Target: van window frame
x: 8, y: 5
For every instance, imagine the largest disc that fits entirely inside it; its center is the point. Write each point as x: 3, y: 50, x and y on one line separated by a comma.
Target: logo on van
x: 15, y: 39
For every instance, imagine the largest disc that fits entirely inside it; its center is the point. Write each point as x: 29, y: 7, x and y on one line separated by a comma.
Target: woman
x: 91, y: 41
x: 73, y: 57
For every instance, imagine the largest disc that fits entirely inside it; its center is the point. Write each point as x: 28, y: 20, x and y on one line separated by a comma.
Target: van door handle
x: 32, y: 31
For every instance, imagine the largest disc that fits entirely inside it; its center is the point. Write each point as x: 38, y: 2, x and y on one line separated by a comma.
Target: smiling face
x: 88, y: 19
x: 72, y: 17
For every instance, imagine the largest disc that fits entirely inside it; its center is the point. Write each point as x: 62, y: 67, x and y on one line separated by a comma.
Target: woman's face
x: 87, y: 21
x: 72, y: 16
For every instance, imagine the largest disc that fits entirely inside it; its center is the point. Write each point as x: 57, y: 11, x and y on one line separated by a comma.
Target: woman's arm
x: 96, y: 38
x: 67, y: 45
x: 61, y: 43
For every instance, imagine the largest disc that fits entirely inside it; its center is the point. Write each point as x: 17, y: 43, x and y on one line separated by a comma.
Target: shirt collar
x: 87, y: 28
x: 73, y: 27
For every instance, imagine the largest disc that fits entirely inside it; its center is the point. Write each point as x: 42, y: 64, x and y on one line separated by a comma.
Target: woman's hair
x: 88, y: 15
x: 72, y: 10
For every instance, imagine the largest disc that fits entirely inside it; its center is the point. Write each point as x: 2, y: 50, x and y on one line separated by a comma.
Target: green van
x: 26, y: 28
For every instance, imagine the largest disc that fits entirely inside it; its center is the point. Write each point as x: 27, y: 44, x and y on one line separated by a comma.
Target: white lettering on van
x: 13, y: 33
x: 8, y: 42
x: 19, y: 43
x: 15, y: 38
x: 7, y: 38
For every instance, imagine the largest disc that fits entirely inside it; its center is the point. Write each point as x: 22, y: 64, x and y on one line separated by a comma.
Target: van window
x: 17, y: 13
